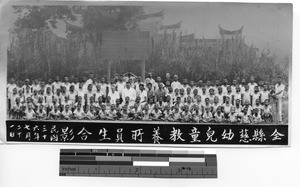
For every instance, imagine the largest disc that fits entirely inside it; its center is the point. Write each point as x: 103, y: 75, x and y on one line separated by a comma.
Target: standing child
x: 17, y: 109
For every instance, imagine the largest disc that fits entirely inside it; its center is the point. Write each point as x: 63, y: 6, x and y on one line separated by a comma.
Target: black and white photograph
x: 149, y: 73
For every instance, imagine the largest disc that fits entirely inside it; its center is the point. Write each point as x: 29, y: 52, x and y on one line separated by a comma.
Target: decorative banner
x: 145, y: 132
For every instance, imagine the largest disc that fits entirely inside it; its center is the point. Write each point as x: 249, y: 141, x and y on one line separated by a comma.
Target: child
x: 185, y: 114
x: 246, y: 117
x: 135, y: 112
x: 55, y: 114
x: 146, y: 113
x: 196, y: 114
x: 91, y: 114
x: 13, y: 98
x: 256, y: 117
x: 103, y: 112
x: 29, y: 113
x: 229, y: 94
x: 112, y: 113
x: 27, y: 92
x: 267, y: 112
x: 246, y: 95
x: 220, y: 95
x: 207, y: 116
x: 211, y: 95
x: 195, y: 95
x: 264, y: 94
x: 226, y: 107
x: 207, y: 104
x: 67, y: 113
x: 219, y: 115
x: 255, y: 96
x: 48, y: 99
x: 257, y: 105
x: 17, y: 109
x: 167, y: 114
x: 203, y: 94
x: 189, y: 103
x: 215, y: 105
x: 238, y: 110
x: 237, y: 94
x: 41, y: 113
x: 232, y: 117
x: 156, y: 114
x: 65, y: 103
x: 78, y: 112
x: 124, y: 113
x: 177, y: 113
x: 72, y: 96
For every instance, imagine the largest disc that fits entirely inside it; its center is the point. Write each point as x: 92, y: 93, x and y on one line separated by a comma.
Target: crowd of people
x: 128, y: 97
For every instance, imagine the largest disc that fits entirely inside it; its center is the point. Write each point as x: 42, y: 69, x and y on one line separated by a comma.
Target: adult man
x: 142, y: 93
x: 160, y: 93
x: 150, y: 79
x: 279, y: 90
x: 113, y: 94
x: 120, y: 84
x: 176, y: 84
x: 252, y: 84
x: 56, y: 84
x: 129, y: 92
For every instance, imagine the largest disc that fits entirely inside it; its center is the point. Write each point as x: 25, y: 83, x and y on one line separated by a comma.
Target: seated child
x: 167, y: 114
x: 219, y: 115
x: 112, y: 113
x: 176, y: 113
x: 156, y: 113
x: 78, y: 112
x: 29, y: 113
x: 267, y: 112
x: 124, y: 115
x: 55, y: 114
x: 103, y: 112
x: 256, y: 117
x: 146, y: 113
x: 41, y: 113
x: 232, y: 116
x: 185, y: 114
x: 67, y: 113
x: 91, y: 114
x: 207, y: 116
x: 196, y: 114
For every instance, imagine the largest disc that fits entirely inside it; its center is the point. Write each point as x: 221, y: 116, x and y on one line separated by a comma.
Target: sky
x: 265, y: 25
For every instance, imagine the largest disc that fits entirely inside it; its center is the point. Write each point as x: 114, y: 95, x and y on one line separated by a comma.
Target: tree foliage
x: 36, y: 52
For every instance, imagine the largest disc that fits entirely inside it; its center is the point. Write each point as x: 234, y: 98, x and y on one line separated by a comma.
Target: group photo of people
x: 78, y: 67
x: 128, y: 98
